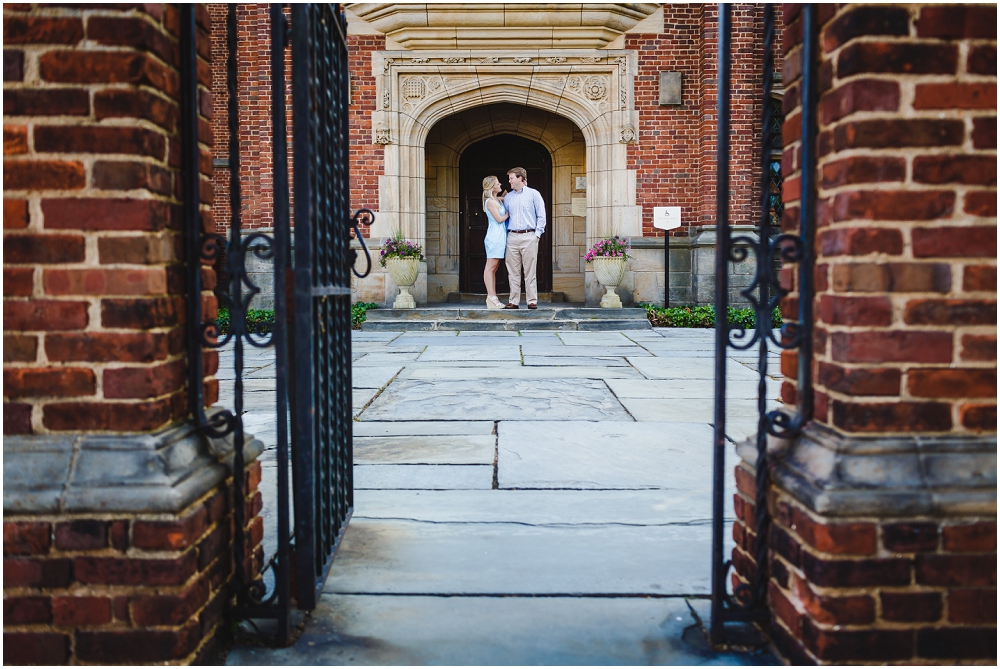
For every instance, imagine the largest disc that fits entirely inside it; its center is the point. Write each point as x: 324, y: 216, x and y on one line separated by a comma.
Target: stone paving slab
x: 435, y: 450
x: 385, y: 359
x: 424, y: 477
x: 594, y: 339
x: 691, y: 411
x: 528, y: 371
x: 396, y: 557
x: 694, y: 389
x: 394, y: 631
x: 374, y: 377
x: 498, y: 351
x: 585, y: 351
x: 503, y: 399
x: 545, y: 507
x: 687, y: 368
x: 557, y: 361
x: 421, y: 428
x: 601, y: 455
x: 359, y: 336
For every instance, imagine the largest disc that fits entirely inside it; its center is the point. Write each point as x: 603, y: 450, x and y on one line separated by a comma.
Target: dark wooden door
x: 495, y: 156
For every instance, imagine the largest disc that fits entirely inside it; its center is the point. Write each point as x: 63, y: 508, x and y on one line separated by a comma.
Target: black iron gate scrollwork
x: 311, y: 333
x: 748, y: 603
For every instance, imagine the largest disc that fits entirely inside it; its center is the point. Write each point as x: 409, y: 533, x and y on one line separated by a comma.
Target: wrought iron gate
x: 748, y: 603
x: 311, y: 333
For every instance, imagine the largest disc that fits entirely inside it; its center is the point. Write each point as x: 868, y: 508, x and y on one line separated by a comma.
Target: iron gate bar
x: 321, y: 372
x: 749, y: 602
x: 719, y: 566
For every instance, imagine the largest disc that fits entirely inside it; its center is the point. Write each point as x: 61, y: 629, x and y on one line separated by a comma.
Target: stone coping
x: 886, y: 476
x: 160, y: 472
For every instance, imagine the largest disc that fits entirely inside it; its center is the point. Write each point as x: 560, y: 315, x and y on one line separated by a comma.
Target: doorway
x: 495, y: 155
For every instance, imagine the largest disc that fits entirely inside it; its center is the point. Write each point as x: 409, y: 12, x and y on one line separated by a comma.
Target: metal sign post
x: 666, y: 219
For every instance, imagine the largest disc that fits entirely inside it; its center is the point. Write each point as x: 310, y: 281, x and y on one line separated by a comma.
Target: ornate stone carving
x: 595, y: 88
x: 591, y: 59
x: 522, y: 59
x: 623, y: 95
x: 414, y: 89
x: 383, y: 135
x: 434, y: 83
x: 386, y: 64
x: 489, y: 59
x: 418, y: 61
x: 622, y: 65
x: 574, y: 83
x: 453, y: 59
x: 385, y: 99
x: 555, y: 60
x: 627, y: 135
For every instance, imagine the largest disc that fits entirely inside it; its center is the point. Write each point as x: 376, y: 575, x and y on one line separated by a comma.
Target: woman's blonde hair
x: 488, y: 184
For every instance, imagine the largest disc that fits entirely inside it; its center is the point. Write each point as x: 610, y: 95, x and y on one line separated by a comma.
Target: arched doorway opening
x: 495, y: 155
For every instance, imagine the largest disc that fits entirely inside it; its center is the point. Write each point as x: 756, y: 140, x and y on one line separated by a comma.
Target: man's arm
x: 539, y: 214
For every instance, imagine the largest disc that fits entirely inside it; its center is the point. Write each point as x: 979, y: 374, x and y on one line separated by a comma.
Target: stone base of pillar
x: 118, y: 549
x: 881, y: 549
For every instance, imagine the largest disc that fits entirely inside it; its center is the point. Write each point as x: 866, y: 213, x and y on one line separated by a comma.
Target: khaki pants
x: 522, y: 251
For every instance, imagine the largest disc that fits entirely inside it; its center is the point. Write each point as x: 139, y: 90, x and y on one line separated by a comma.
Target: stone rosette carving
x: 521, y: 60
x: 485, y: 60
x: 555, y: 60
x: 591, y: 59
x: 595, y: 88
x: 453, y: 59
x: 574, y: 83
x: 419, y: 61
x: 383, y: 136
x: 627, y: 135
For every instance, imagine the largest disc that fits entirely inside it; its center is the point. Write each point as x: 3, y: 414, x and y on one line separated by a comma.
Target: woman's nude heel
x: 494, y: 303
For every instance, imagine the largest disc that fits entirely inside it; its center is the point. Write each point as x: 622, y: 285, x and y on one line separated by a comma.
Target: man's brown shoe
x: 532, y: 306
x: 511, y: 305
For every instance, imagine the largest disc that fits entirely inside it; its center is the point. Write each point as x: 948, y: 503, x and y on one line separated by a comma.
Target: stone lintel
x: 160, y: 472
x: 887, y: 476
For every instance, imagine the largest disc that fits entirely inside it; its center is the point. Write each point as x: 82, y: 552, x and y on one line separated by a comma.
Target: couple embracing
x: 516, y: 223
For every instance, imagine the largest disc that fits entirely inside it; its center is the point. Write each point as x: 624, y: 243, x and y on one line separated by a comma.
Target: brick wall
x: 871, y: 589
x: 904, y: 335
x: 367, y: 161
x: 93, y: 279
x: 128, y: 589
x: 906, y: 231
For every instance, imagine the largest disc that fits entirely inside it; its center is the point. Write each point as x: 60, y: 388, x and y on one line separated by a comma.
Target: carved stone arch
x: 594, y: 108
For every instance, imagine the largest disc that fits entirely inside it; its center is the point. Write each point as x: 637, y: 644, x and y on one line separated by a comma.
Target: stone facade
x: 883, y: 538
x: 596, y: 73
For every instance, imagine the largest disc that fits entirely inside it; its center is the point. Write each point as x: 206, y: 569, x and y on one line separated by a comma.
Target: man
x: 524, y: 228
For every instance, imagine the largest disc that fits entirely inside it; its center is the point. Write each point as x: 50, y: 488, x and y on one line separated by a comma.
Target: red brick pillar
x: 883, y: 539
x: 116, y: 520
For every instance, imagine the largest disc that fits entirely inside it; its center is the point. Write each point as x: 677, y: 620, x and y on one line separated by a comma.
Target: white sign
x: 666, y: 218
x: 578, y: 206
x: 581, y: 183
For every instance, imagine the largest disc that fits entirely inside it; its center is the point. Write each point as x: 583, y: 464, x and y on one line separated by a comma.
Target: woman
x: 496, y: 237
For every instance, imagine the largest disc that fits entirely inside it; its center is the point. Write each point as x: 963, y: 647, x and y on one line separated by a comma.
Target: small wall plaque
x: 670, y: 88
x: 581, y: 183
x: 578, y: 206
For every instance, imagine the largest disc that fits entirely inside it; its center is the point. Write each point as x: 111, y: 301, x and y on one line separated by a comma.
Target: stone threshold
x: 551, y: 316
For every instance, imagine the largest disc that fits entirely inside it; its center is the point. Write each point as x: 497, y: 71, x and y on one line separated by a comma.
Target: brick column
x: 116, y: 520
x: 883, y: 539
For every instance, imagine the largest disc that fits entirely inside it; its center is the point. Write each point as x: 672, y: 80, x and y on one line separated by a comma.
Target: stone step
x: 480, y: 298
x: 543, y: 318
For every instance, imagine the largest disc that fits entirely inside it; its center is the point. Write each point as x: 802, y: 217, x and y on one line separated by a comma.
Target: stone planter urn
x: 610, y: 272
x: 404, y: 273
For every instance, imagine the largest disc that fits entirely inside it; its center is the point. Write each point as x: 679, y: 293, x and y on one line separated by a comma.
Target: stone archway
x: 444, y: 146
x: 591, y: 88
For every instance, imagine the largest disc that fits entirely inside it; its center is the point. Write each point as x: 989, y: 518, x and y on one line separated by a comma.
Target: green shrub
x: 701, y: 317
x: 258, y: 320
x: 358, y: 313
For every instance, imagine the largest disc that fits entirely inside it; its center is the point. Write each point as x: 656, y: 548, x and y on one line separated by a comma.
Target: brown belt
x: 520, y: 232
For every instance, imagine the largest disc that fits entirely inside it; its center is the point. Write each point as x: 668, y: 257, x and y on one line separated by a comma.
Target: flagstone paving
x: 521, y: 498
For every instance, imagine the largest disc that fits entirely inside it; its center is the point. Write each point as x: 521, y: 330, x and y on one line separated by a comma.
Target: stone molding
x: 437, y: 26
x: 591, y: 88
x: 161, y: 472
x: 886, y: 476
